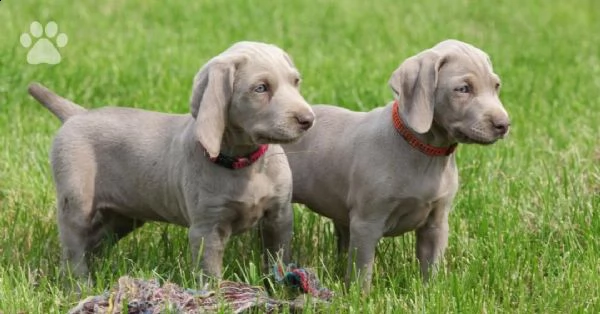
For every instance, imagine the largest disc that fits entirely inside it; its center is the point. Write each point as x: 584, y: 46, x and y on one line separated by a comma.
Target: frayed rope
x: 301, y: 278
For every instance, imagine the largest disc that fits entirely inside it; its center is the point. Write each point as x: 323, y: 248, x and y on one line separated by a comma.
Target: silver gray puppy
x: 392, y: 170
x: 116, y: 168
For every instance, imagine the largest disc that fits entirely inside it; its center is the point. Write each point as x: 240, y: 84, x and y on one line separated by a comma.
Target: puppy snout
x: 501, y: 126
x: 305, y: 120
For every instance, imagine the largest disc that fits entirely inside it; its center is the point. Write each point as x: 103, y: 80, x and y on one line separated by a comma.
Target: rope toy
x: 140, y: 296
x: 300, y: 278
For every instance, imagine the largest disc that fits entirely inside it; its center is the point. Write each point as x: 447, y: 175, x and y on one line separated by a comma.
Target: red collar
x: 240, y: 162
x: 408, y: 135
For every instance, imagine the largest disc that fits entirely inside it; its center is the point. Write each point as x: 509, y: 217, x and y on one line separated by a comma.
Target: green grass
x: 525, y: 230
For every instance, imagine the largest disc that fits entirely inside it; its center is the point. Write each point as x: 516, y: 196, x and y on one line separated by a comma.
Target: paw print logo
x: 39, y: 42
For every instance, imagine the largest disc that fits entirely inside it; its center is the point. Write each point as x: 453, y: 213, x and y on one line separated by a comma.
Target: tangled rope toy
x: 141, y: 296
x: 300, y: 278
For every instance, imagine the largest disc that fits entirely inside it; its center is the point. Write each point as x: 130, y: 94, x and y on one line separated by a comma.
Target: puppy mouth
x: 474, y: 137
x: 277, y: 139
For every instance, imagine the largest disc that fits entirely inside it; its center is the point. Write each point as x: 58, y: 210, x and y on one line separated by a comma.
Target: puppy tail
x: 59, y: 106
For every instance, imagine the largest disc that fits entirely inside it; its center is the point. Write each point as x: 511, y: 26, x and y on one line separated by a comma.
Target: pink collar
x: 240, y: 162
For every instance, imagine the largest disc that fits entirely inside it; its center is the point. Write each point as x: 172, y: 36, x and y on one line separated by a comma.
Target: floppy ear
x: 414, y: 84
x: 211, y: 95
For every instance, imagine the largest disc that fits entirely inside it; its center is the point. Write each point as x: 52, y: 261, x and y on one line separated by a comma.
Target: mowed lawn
x: 525, y: 229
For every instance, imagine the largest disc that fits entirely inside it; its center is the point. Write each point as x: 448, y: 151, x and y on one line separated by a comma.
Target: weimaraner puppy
x: 217, y: 171
x: 392, y: 170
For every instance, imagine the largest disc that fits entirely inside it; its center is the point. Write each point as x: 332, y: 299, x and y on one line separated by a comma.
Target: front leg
x: 432, y: 238
x: 364, y: 236
x: 207, y: 242
x: 276, y: 229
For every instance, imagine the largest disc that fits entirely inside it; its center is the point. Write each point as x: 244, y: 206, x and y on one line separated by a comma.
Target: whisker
x: 294, y: 152
x: 301, y: 151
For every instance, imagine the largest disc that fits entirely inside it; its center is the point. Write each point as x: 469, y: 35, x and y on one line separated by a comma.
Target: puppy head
x: 252, y: 87
x: 452, y: 84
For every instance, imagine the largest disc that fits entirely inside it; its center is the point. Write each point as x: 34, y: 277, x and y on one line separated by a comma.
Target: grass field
x: 525, y: 230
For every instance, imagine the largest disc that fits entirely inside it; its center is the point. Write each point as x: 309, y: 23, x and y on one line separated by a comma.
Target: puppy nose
x: 501, y: 126
x: 305, y: 120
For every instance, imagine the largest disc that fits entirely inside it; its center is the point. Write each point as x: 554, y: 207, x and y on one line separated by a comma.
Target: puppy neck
x: 436, y: 136
x: 237, y: 143
x: 435, y: 142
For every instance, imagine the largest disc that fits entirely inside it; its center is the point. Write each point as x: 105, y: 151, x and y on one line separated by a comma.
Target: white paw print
x: 43, y: 50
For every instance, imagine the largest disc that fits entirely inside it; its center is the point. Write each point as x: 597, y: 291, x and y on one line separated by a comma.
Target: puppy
x: 217, y: 171
x: 392, y: 170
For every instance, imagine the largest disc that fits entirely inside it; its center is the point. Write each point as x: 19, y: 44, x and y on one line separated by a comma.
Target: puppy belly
x: 144, y: 212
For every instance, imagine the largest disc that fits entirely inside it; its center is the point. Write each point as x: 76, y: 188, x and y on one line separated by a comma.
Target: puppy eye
x: 463, y: 89
x: 296, y: 82
x: 262, y: 88
x: 497, y: 86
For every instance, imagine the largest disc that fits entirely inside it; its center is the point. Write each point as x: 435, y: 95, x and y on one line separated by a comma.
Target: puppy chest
x: 248, y: 211
x: 407, y: 215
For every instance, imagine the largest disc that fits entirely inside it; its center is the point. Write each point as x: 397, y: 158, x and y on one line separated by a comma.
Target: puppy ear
x: 211, y: 96
x: 414, y: 84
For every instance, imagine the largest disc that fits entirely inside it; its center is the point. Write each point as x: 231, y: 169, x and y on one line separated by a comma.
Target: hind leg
x: 84, y: 229
x: 343, y: 238
x: 76, y: 231
x: 342, y: 235
x: 74, y: 172
x: 83, y: 238
x: 83, y: 226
